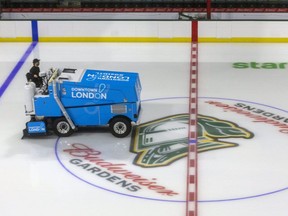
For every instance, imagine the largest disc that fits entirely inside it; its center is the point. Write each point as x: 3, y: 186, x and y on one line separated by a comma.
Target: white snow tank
x: 30, y: 89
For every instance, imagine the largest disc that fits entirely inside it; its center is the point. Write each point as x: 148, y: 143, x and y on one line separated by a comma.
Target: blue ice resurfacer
x: 73, y: 98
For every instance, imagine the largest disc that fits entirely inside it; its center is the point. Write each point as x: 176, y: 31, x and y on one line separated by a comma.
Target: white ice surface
x: 33, y: 182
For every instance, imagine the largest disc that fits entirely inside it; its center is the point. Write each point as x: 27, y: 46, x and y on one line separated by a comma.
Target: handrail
x: 62, y: 108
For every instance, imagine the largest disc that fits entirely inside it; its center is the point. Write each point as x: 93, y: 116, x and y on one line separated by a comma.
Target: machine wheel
x: 62, y: 128
x: 120, y: 127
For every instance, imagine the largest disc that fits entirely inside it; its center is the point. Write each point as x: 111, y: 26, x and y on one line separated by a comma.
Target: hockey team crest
x: 151, y: 164
x: 163, y: 141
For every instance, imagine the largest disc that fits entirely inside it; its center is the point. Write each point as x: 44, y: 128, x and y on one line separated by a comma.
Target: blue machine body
x: 91, y: 97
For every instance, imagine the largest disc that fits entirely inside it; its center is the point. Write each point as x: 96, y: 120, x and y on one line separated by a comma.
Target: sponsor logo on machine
x: 99, y: 93
x: 36, y: 127
x: 107, y: 76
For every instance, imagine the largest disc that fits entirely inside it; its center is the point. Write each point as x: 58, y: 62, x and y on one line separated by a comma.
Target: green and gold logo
x: 163, y: 141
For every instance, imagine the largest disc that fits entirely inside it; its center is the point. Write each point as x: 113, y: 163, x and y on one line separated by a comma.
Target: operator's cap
x: 36, y: 60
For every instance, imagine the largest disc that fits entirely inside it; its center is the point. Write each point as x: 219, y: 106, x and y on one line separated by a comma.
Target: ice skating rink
x: 242, y: 134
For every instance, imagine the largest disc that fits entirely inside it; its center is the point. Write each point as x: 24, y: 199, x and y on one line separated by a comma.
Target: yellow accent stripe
x: 115, y: 39
x: 243, y: 40
x: 164, y: 40
x: 17, y: 39
x: 149, y: 39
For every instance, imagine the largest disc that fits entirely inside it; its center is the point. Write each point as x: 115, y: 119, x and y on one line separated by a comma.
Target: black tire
x: 62, y: 128
x: 120, y: 127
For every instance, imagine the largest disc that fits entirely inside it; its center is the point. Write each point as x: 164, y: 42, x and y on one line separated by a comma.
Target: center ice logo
x: 163, y: 141
x: 224, y: 125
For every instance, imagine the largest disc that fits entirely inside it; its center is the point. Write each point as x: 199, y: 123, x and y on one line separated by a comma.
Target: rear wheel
x: 120, y: 127
x: 62, y: 128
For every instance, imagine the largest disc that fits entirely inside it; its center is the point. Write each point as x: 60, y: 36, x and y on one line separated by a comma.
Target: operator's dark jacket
x: 30, y: 76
